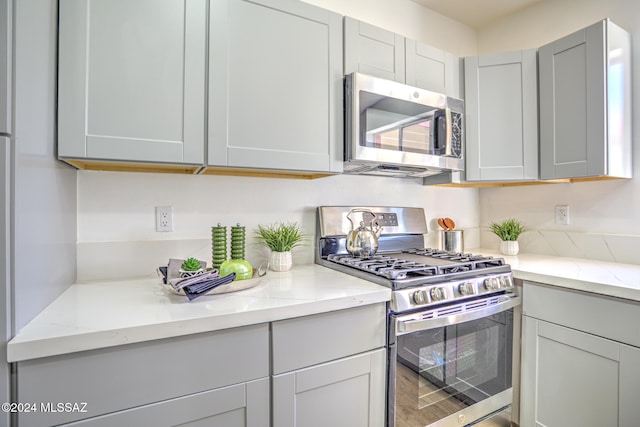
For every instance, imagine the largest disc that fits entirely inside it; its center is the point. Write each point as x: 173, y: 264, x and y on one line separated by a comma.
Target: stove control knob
x: 420, y: 297
x: 506, y: 282
x: 466, y: 288
x: 438, y: 294
x: 492, y: 283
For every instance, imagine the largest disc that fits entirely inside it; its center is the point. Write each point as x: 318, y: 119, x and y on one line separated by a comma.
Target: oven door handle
x: 408, y: 324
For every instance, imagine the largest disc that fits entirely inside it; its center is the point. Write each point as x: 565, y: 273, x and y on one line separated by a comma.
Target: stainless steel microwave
x: 392, y: 129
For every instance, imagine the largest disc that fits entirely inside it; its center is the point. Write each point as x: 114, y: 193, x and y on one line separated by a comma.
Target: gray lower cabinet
x: 5, y: 66
x: 501, y: 106
x: 275, y: 86
x: 585, y: 104
x: 580, y: 359
x: 220, y: 375
x: 579, y: 379
x: 327, y: 369
x: 240, y: 405
x: 330, y: 369
x: 382, y: 53
x: 131, y: 80
x: 348, y: 392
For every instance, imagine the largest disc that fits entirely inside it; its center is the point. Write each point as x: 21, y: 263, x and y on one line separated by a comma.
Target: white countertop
x: 600, y: 277
x: 103, y: 314
x: 109, y: 313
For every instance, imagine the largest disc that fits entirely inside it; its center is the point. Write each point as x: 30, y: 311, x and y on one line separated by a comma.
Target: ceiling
x: 476, y: 13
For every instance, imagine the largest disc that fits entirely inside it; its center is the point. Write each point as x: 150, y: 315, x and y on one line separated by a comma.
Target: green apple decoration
x: 242, y: 268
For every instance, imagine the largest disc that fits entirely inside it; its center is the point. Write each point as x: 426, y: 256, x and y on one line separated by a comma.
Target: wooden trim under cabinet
x: 120, y: 166
x: 495, y: 184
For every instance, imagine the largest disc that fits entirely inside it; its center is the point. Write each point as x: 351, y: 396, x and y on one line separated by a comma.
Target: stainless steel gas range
x: 450, y: 319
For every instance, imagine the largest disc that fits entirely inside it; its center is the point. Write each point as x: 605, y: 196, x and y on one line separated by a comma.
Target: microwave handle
x: 407, y: 326
x: 444, y: 131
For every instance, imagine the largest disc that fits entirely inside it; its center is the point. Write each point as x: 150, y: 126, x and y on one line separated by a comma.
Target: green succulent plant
x: 280, y: 237
x: 508, y: 229
x: 190, y: 264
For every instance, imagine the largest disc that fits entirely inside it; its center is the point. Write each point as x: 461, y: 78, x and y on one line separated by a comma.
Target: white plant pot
x: 509, y: 247
x: 280, y: 261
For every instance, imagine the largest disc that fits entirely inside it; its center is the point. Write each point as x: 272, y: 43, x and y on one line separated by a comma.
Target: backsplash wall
x: 116, y: 216
x: 603, y: 215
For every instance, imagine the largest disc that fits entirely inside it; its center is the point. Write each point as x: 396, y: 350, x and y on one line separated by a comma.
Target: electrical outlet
x: 164, y: 218
x: 562, y: 214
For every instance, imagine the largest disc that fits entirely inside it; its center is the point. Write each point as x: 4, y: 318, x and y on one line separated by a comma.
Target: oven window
x: 444, y: 370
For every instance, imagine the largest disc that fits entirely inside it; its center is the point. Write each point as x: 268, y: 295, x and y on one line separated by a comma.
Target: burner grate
x: 394, y: 268
x: 385, y: 266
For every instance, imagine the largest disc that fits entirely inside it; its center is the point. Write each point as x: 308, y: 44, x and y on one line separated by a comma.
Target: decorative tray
x: 259, y: 276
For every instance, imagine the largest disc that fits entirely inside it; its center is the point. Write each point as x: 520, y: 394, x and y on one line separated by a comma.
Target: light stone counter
x: 109, y: 313
x: 599, y: 277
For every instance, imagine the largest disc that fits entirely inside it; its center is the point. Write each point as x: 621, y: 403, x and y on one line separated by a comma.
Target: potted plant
x: 508, y: 231
x: 280, y: 238
x: 190, y: 267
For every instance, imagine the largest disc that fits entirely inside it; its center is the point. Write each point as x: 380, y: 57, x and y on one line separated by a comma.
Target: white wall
x: 604, y: 215
x: 116, y: 220
x: 409, y: 19
x: 44, y: 191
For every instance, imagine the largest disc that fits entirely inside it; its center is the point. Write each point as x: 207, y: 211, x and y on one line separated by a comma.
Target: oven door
x: 451, y: 369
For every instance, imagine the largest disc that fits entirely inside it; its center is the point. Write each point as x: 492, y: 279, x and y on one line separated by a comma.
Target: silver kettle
x: 362, y: 242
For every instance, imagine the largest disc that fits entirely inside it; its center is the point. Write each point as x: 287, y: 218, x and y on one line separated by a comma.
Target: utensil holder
x: 453, y: 241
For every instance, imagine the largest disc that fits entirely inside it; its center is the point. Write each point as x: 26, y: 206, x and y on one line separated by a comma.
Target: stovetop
x: 417, y: 267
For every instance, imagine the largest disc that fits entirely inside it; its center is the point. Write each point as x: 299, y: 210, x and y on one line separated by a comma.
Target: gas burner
x: 386, y: 266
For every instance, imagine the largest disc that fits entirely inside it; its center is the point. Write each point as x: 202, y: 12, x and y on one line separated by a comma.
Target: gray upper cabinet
x: 132, y: 80
x: 432, y: 69
x: 501, y: 108
x: 5, y: 66
x: 275, y: 86
x: 381, y: 53
x: 585, y: 104
x: 373, y: 51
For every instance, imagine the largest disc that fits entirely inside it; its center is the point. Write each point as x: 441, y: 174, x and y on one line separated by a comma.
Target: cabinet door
x: 242, y: 405
x: 275, y: 78
x: 5, y: 66
x: 348, y: 392
x: 573, y: 378
x: 501, y: 106
x: 629, y: 385
x: 132, y: 80
x: 572, y: 105
x: 373, y: 51
x: 432, y: 69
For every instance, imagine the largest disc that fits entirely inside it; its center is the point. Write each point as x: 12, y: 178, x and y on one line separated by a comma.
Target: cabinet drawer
x: 307, y: 341
x: 237, y: 405
x: 118, y: 378
x: 608, y: 317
